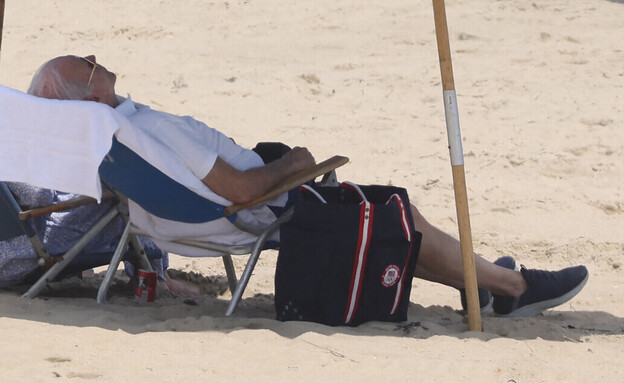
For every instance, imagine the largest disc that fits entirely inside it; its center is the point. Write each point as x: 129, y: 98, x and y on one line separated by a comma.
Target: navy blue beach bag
x: 347, y: 256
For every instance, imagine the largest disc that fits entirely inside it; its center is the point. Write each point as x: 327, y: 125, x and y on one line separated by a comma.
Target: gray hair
x: 48, y: 82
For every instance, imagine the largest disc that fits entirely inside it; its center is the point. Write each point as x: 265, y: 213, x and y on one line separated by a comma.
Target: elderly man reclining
x: 239, y: 175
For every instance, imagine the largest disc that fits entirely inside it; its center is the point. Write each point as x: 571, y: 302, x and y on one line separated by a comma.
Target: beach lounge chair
x: 133, y: 177
x: 14, y: 223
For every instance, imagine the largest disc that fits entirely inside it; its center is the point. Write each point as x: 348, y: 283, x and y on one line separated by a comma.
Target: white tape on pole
x: 452, y: 127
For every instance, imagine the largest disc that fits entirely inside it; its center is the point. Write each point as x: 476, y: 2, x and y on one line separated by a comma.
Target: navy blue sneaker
x: 485, y: 300
x: 546, y: 289
x: 501, y: 302
x: 485, y: 297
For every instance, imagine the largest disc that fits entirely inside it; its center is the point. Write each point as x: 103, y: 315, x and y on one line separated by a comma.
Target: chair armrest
x: 62, y: 206
x: 292, y: 182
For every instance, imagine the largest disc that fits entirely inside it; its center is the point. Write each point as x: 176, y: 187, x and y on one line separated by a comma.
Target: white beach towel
x: 55, y: 144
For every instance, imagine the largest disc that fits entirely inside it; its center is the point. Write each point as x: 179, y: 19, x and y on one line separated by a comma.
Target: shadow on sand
x: 73, y: 304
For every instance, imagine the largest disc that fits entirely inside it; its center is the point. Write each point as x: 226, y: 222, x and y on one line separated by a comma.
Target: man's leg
x: 516, y: 293
x: 440, y: 261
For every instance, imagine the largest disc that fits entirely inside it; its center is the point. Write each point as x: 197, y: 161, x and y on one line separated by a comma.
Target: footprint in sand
x: 83, y: 375
x: 57, y: 359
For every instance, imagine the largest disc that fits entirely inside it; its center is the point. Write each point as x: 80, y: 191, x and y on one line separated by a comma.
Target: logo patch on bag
x: 390, y: 276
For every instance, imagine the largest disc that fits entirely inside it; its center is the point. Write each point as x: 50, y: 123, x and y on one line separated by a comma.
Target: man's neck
x: 114, y: 103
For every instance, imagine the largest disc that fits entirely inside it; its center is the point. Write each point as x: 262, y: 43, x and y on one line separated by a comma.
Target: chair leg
x: 70, y: 254
x: 242, y: 284
x: 113, y: 265
x: 253, y: 259
x: 231, y: 273
x: 137, y: 246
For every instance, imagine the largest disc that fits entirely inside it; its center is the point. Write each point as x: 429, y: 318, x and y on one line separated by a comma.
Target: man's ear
x: 46, y: 92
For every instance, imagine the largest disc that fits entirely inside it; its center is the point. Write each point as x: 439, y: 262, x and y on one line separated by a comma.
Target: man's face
x: 85, y: 70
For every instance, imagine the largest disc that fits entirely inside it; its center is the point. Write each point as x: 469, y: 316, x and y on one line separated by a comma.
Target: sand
x: 540, y: 89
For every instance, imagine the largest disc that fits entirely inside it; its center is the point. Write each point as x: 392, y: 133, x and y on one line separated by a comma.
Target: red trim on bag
x: 404, y: 220
x: 399, y: 291
x: 407, y: 229
x: 359, y: 264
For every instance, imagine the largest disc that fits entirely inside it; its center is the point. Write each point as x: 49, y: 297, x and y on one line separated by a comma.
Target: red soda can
x: 146, y: 288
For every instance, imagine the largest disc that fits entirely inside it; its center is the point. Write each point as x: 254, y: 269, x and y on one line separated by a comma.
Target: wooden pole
x: 457, y: 164
x: 1, y: 21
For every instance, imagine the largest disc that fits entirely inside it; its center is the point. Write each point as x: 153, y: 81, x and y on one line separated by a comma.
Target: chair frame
x: 60, y: 262
x: 237, y: 287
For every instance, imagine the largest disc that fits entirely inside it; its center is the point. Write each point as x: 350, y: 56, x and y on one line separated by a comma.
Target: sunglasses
x: 93, y: 66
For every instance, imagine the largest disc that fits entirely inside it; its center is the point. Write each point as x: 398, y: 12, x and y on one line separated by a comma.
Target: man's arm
x: 243, y: 186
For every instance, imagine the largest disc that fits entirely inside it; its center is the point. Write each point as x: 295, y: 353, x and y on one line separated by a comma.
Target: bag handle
x: 308, y: 188
x: 345, y: 184
x: 355, y: 188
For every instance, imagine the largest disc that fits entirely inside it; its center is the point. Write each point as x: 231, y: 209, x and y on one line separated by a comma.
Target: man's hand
x: 297, y: 159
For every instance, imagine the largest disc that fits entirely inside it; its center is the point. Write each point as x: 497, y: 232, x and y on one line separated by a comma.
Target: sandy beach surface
x: 540, y: 89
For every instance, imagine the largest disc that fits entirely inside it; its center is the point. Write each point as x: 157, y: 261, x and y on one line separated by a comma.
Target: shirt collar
x: 126, y: 106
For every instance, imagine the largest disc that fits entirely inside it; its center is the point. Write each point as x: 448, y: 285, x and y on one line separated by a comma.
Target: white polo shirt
x: 186, y: 149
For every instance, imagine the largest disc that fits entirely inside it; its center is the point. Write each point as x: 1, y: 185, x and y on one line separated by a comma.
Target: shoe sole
x: 487, y: 308
x: 538, y: 307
